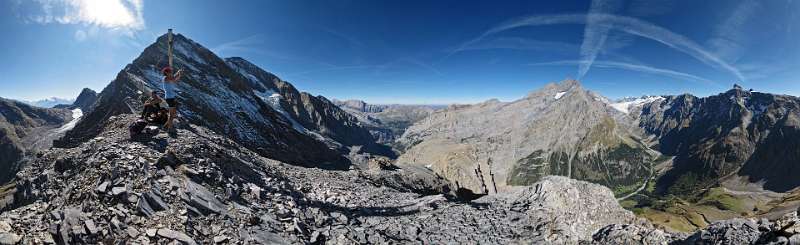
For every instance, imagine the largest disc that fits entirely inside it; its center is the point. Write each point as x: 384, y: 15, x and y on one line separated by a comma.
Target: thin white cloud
x: 728, y: 40
x: 124, y: 15
x: 353, y: 42
x: 632, y: 67
x: 255, y: 45
x: 421, y: 64
x: 650, y: 7
x: 527, y: 44
x: 595, y: 32
x: 519, y: 43
x: 625, y: 24
x: 329, y: 69
x: 245, y: 44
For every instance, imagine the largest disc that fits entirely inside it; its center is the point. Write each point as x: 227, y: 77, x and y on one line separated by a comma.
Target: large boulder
x: 565, y: 209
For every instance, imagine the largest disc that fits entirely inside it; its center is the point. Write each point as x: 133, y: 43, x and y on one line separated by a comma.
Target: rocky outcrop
x: 785, y: 230
x: 85, y: 100
x: 738, y: 132
x: 561, y: 129
x: 578, y: 209
x: 20, y: 124
x: 642, y: 233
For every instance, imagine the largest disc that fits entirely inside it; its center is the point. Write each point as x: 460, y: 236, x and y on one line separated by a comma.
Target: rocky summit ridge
x: 238, y: 99
x: 202, y: 188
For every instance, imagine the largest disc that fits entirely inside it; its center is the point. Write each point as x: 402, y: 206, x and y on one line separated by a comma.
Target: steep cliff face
x: 733, y: 133
x: 314, y: 113
x: 361, y: 106
x: 234, y: 98
x: 85, y: 100
x: 561, y: 129
x: 20, y: 124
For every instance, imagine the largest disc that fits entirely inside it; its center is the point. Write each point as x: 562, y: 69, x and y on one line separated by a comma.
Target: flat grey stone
x: 144, y: 208
x: 90, y: 226
x: 176, y: 235
x: 8, y: 238
x: 132, y: 232
x: 118, y: 190
x: 203, y: 200
x: 220, y: 239
x: 4, y: 226
x: 155, y: 201
x: 151, y: 232
x: 794, y: 240
x: 102, y: 188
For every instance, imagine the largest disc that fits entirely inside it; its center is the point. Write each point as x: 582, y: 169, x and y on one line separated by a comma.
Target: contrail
x: 337, y: 68
x: 626, y: 24
x: 523, y: 44
x: 727, y: 40
x: 595, y: 33
x: 631, y: 67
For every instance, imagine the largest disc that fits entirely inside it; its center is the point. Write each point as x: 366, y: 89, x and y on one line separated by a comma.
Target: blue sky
x: 418, y: 51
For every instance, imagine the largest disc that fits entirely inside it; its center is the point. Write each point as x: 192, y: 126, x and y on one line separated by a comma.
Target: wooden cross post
x: 169, y: 46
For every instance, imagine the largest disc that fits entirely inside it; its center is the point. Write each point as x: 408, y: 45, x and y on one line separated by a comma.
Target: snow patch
x: 255, y: 81
x: 77, y: 113
x: 273, y: 99
x: 625, y: 106
x: 559, y: 95
x: 186, y: 50
x: 229, y: 105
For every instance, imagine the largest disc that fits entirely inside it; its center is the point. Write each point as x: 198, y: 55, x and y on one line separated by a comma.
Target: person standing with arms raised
x: 170, y: 84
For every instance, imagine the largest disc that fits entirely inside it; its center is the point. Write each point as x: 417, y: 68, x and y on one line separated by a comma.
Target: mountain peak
x: 557, y: 89
x: 569, y: 83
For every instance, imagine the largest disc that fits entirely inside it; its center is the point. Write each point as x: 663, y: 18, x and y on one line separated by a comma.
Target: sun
x: 105, y: 13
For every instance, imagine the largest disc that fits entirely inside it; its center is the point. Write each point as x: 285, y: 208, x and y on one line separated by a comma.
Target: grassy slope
x: 687, y: 215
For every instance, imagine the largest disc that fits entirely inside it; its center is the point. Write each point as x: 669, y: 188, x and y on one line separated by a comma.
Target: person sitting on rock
x: 151, y: 106
x: 170, y: 93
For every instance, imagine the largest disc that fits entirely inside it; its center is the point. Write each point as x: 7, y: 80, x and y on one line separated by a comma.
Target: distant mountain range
x: 387, y: 122
x: 49, y: 102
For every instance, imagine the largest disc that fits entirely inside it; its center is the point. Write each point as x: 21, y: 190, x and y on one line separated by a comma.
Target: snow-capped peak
x: 624, y: 105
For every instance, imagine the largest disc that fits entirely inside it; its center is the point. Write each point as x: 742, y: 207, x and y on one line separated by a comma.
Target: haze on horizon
x: 421, y: 52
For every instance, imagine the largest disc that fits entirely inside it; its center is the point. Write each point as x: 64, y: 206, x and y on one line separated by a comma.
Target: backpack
x: 136, y: 127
